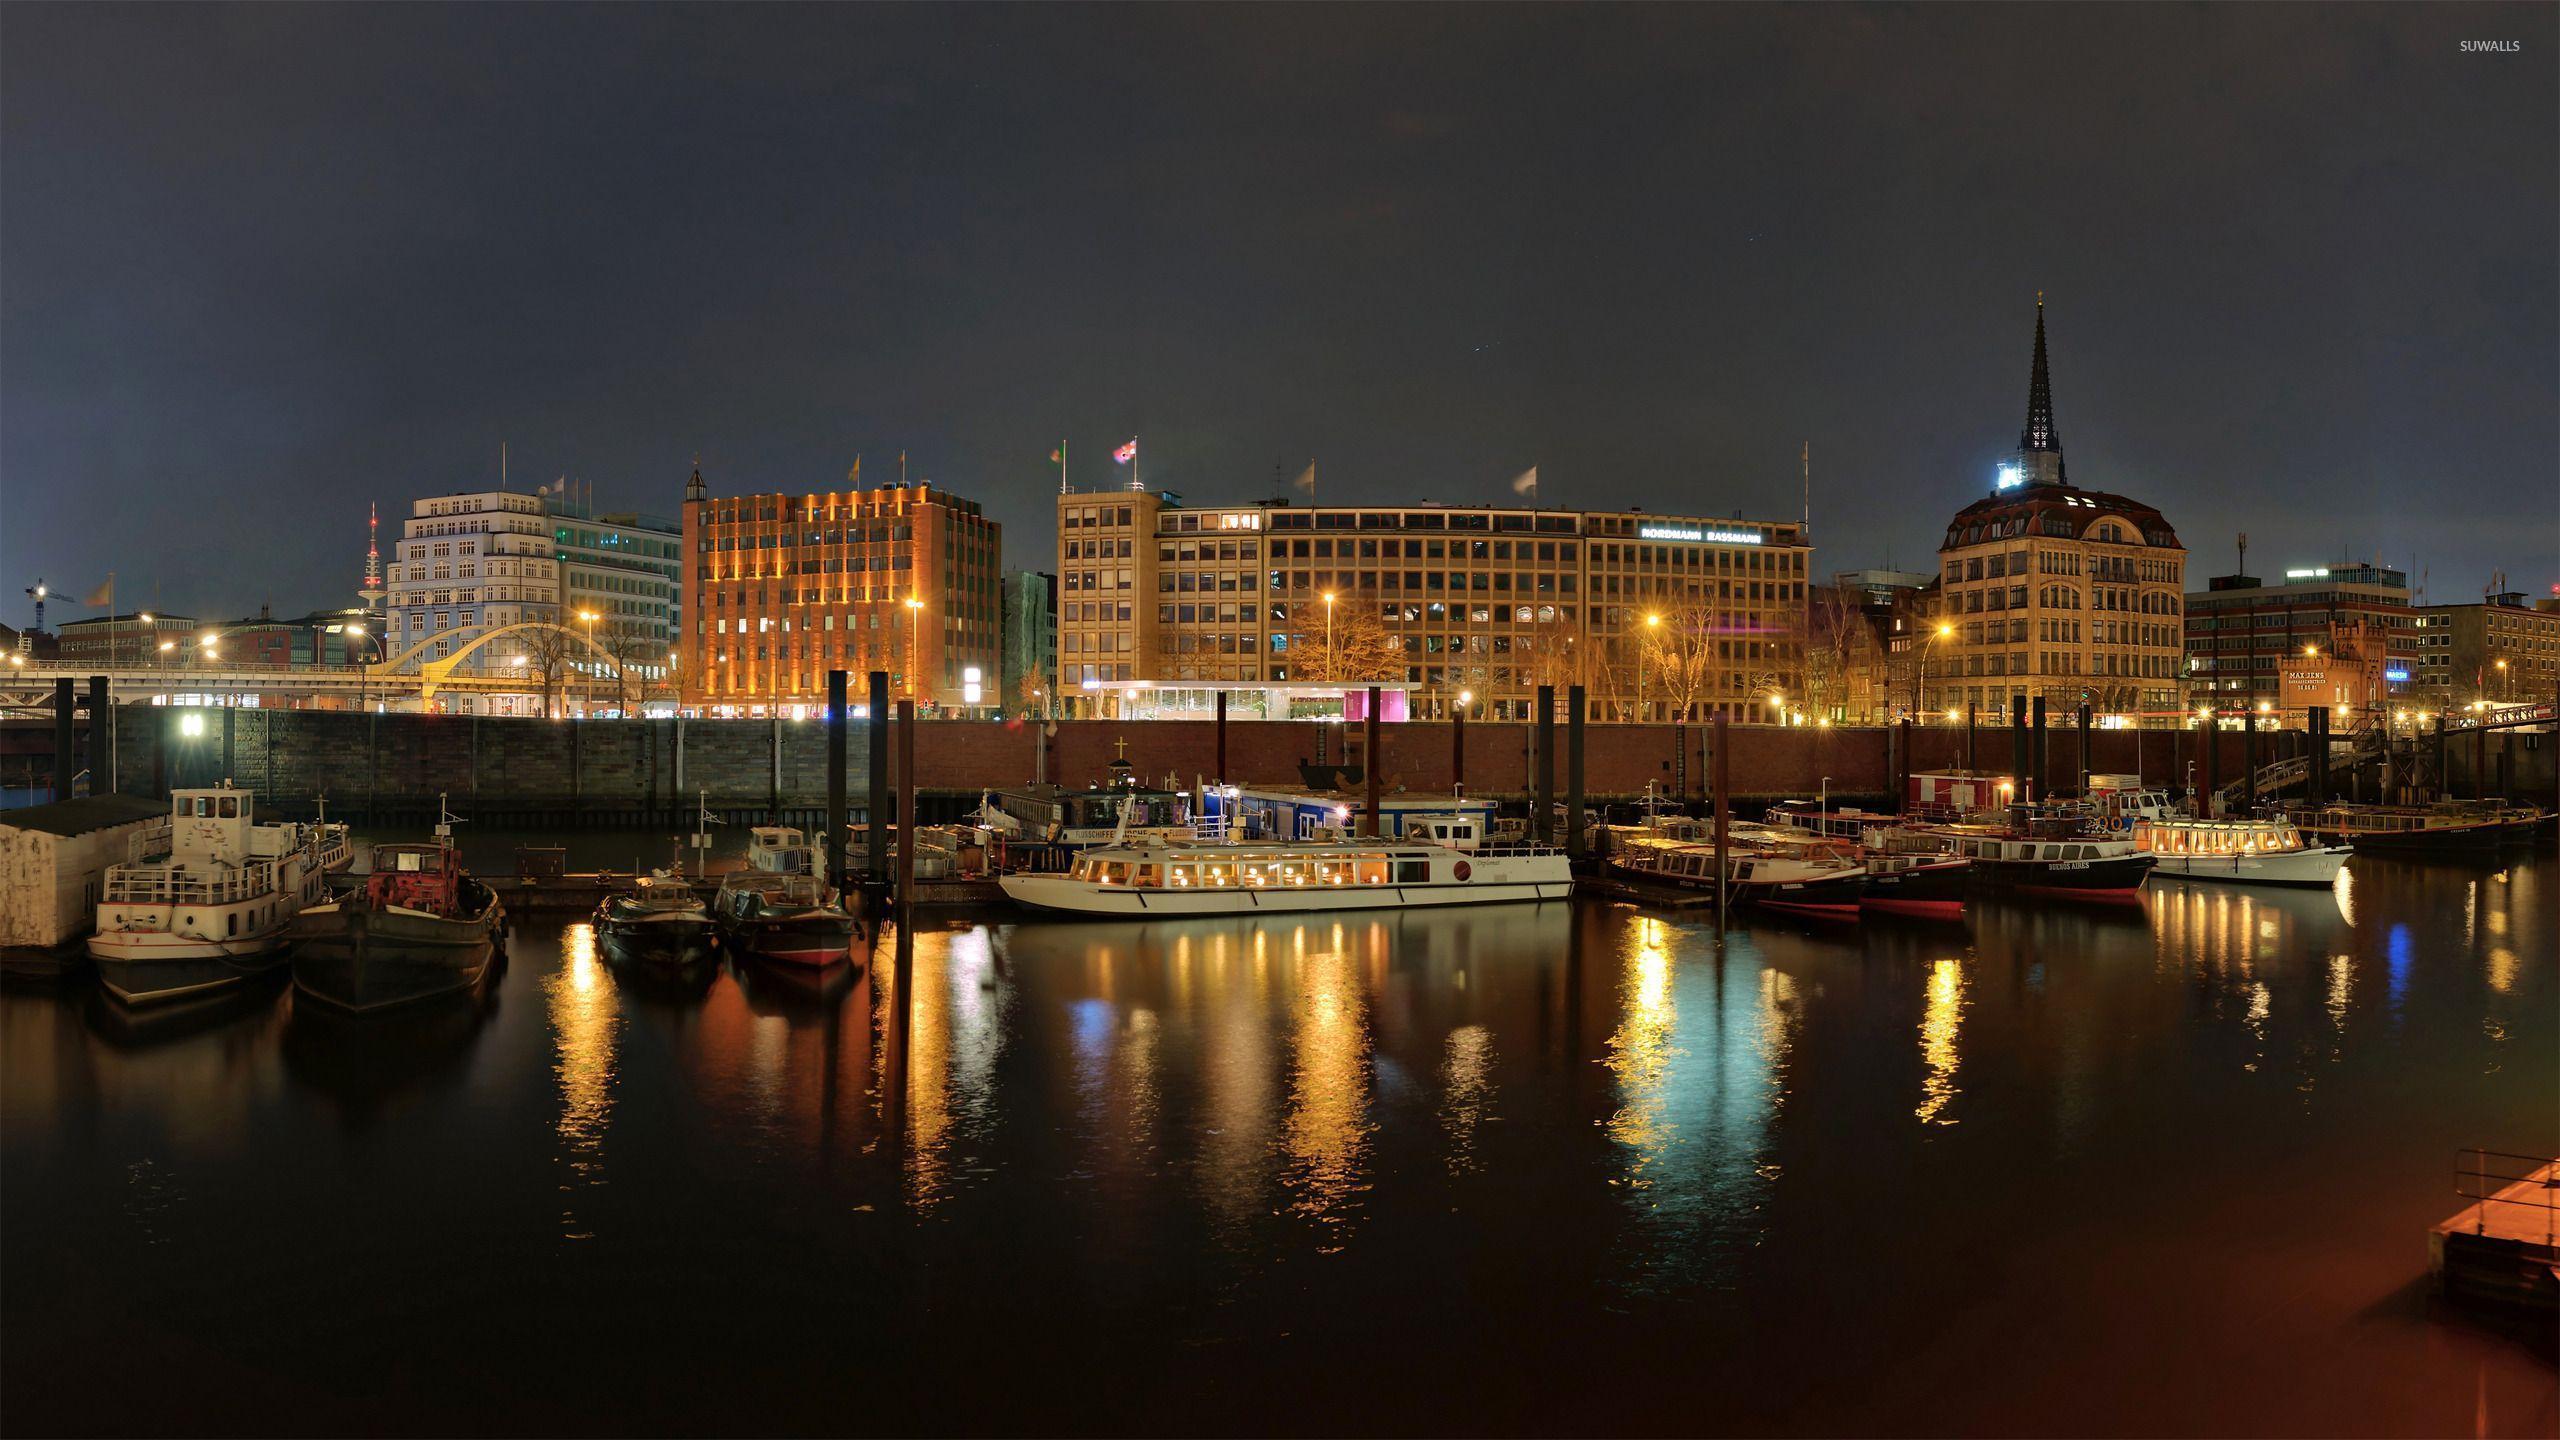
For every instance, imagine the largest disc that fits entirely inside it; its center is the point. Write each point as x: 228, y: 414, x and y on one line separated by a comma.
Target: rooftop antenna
x: 1808, y: 488
x: 2244, y: 552
x: 502, y: 465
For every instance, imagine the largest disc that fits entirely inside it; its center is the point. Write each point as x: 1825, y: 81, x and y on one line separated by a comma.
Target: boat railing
x: 2519, y: 1186
x: 168, y: 885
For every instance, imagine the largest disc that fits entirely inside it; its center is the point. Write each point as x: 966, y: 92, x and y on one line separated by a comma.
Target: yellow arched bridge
x: 405, y: 680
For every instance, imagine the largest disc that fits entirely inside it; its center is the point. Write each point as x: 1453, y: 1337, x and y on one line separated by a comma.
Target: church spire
x: 2040, y: 445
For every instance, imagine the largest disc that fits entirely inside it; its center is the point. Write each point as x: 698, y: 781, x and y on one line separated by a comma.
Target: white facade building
x: 466, y: 565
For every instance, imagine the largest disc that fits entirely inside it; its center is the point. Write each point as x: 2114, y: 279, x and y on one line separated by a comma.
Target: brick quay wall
x: 531, y: 772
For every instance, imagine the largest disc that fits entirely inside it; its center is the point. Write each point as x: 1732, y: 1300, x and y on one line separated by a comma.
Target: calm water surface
x: 1565, y: 1167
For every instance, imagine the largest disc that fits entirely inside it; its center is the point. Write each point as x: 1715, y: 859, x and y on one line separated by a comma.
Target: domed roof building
x: 2048, y: 589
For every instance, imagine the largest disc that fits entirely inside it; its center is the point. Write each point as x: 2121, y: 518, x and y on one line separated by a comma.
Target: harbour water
x: 2156, y: 1169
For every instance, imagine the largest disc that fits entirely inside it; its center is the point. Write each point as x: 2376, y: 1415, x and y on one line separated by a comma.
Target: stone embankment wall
x: 605, y: 772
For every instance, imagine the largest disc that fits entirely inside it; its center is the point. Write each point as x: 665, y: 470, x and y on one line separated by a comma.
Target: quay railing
x: 2520, y: 1185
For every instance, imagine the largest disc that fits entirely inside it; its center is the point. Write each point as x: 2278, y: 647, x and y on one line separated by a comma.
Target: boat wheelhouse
x: 1956, y: 794
x: 2244, y: 852
x: 780, y: 850
x: 1167, y: 878
x: 1243, y: 813
x: 218, y: 907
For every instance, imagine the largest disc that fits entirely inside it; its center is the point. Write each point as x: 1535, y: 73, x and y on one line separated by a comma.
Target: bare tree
x: 548, y: 652
x: 1353, y: 646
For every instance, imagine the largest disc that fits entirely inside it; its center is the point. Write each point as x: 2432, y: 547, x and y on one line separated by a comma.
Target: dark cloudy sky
x: 259, y: 266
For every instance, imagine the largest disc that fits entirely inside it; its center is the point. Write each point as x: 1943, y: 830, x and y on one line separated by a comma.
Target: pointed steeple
x: 693, y: 488
x: 2040, y: 445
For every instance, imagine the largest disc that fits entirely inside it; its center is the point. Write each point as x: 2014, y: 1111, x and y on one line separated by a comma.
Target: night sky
x: 259, y: 266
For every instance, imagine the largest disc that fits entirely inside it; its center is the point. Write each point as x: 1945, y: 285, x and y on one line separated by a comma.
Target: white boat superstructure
x: 1158, y: 878
x: 218, y: 906
x: 2243, y: 852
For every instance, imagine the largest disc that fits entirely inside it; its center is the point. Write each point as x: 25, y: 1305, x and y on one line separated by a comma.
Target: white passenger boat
x: 1161, y: 878
x: 218, y: 907
x: 2242, y: 852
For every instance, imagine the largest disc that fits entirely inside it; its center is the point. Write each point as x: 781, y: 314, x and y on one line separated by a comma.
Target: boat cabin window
x: 1371, y: 869
x: 1150, y: 875
x: 1413, y: 872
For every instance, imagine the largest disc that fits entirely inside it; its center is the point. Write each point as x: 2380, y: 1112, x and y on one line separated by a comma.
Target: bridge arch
x: 432, y: 673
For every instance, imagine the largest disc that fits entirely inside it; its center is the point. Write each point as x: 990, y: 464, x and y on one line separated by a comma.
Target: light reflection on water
x: 1939, y: 1024
x: 584, y: 1013
x: 1541, y: 1117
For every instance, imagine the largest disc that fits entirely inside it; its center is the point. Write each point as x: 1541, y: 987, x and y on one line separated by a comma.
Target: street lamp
x: 589, y: 616
x: 1332, y: 666
x: 2505, y: 691
x: 147, y: 621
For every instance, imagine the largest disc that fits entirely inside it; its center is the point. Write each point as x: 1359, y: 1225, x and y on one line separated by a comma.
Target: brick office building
x: 782, y: 588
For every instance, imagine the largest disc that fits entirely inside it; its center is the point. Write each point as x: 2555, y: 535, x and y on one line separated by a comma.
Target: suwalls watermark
x: 2493, y: 47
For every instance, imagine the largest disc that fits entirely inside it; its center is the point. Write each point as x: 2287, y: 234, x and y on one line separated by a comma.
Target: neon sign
x: 1691, y: 532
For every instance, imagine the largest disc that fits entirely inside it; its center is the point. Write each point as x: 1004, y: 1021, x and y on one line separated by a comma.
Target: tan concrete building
x: 2500, y: 650
x: 1479, y: 603
x: 780, y: 589
x: 2048, y: 589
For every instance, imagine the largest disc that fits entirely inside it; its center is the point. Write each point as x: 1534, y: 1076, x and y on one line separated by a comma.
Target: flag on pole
x: 1059, y: 455
x: 1128, y: 452
x: 1307, y: 478
x: 1527, y: 483
x: 105, y: 594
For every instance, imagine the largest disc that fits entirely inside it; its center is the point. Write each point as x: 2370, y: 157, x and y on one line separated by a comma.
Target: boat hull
x: 2303, y: 869
x: 658, y: 942
x: 1068, y: 897
x: 1923, y: 892
x: 815, y: 941
x: 361, y: 959
x: 1833, y: 897
x: 2117, y: 877
x: 144, y: 968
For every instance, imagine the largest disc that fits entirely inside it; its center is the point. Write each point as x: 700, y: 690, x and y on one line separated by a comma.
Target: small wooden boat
x: 1781, y: 869
x: 421, y: 926
x: 2451, y: 826
x: 656, y: 922
x: 784, y: 918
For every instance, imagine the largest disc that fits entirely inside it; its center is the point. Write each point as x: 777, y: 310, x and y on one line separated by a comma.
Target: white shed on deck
x: 52, y: 861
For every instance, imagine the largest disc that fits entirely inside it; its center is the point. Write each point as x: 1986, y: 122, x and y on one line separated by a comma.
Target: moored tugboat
x: 420, y: 927
x: 216, y: 909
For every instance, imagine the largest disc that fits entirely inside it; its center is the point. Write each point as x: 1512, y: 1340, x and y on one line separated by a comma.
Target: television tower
x: 372, y: 592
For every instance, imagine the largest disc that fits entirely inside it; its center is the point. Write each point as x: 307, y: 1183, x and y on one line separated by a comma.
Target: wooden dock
x: 2504, y: 1245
